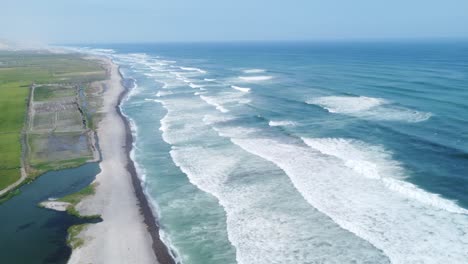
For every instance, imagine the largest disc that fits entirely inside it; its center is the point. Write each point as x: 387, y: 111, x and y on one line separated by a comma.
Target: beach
x: 128, y: 232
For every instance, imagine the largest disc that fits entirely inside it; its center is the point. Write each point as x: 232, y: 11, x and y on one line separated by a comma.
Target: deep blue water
x: 303, y: 153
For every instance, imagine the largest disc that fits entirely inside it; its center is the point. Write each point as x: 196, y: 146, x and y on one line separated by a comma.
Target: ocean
x: 302, y: 152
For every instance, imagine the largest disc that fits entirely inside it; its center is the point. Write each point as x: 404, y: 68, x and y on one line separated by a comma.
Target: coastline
x: 160, y: 249
x: 129, y: 232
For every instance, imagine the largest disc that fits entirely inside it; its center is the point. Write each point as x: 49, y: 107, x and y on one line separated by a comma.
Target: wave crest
x: 369, y: 108
x: 255, y: 78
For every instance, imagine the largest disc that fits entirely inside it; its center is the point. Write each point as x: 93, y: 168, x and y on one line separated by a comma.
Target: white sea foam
x: 192, y: 85
x: 212, y: 101
x: 374, y: 162
x: 347, y: 104
x: 192, y: 69
x: 254, y: 70
x: 133, y: 91
x: 261, y: 233
x: 242, y: 89
x: 163, y: 93
x: 369, y: 108
x: 216, y: 119
x: 357, y: 190
x: 370, y: 161
x: 246, y: 186
x: 164, y: 125
x: 209, y: 80
x: 282, y: 123
x: 255, y: 78
x: 103, y: 52
x: 152, y: 100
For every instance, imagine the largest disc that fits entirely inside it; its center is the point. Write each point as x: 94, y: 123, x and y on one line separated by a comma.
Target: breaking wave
x: 369, y: 108
x: 282, y: 123
x: 213, y: 102
x: 361, y: 195
x: 242, y: 89
x: 255, y: 78
x: 254, y: 71
x: 192, y: 69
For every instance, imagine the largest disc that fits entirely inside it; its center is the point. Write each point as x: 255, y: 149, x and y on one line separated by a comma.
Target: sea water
x: 303, y: 153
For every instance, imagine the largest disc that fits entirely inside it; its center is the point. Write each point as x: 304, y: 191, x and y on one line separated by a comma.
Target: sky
x: 129, y: 21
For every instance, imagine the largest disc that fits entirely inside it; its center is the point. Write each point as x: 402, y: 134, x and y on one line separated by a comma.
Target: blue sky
x: 105, y: 21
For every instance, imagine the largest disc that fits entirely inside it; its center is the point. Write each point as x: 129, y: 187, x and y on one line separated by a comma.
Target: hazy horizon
x: 149, y: 21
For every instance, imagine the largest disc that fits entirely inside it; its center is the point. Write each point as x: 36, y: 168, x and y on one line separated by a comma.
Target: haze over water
x: 300, y: 153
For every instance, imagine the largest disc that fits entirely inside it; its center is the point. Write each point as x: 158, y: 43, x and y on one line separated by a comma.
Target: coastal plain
x: 45, y: 115
x: 56, y: 107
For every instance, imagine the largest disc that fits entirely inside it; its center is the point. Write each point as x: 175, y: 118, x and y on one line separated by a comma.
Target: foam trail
x: 369, y: 108
x: 347, y: 104
x: 242, y: 89
x: 408, y: 228
x: 216, y: 119
x: 281, y: 123
x: 209, y: 80
x: 245, y: 186
x: 212, y: 101
x: 255, y: 78
x: 254, y: 71
x: 192, y: 69
x: 192, y: 85
x: 163, y: 93
x: 374, y: 162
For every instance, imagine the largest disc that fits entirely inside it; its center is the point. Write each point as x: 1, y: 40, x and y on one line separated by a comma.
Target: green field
x: 47, y: 93
x: 13, y: 102
x: 18, y: 72
x: 48, y: 68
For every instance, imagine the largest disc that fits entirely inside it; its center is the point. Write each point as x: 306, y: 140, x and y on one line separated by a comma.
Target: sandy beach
x: 128, y: 233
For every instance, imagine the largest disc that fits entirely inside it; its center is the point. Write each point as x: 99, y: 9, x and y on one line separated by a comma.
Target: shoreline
x: 160, y: 249
x: 129, y: 232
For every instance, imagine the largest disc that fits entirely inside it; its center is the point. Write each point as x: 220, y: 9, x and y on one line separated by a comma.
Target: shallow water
x: 30, y: 234
x: 303, y: 153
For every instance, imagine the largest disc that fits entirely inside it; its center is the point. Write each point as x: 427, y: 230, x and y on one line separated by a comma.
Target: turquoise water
x: 30, y: 234
x: 303, y: 153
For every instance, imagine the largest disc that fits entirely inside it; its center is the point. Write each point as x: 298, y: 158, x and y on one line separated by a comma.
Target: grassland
x: 52, y: 134
x: 47, y: 93
x: 74, y: 198
x: 73, y: 240
x: 13, y: 101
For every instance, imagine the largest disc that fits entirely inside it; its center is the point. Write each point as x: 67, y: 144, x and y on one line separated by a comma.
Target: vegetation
x: 41, y: 167
x: 75, y: 198
x: 13, y: 101
x: 73, y: 240
x: 46, y: 93
x: 56, y: 78
x: 9, y: 195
